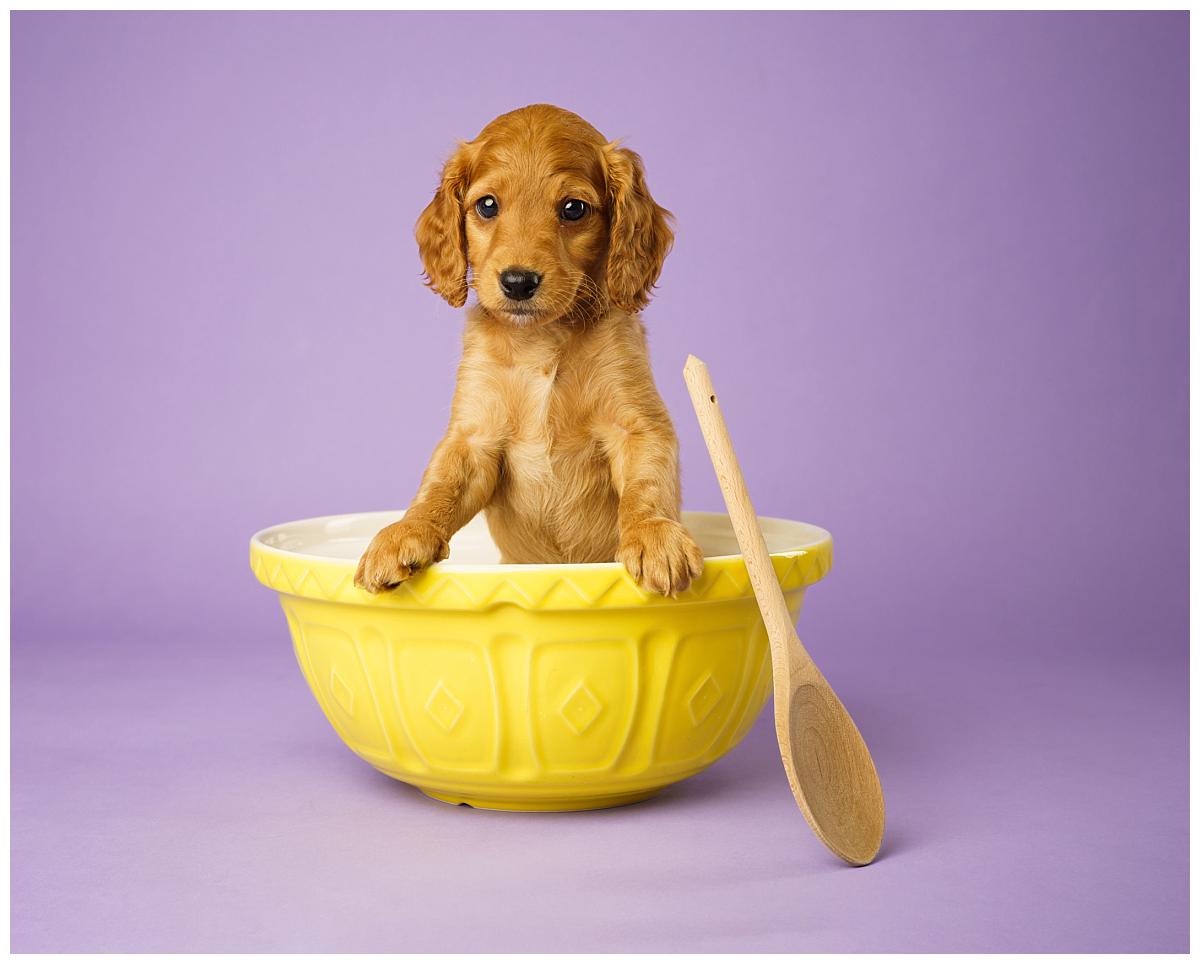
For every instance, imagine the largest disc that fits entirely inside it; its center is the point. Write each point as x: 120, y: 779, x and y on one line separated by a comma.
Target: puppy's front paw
x: 661, y: 555
x: 397, y: 552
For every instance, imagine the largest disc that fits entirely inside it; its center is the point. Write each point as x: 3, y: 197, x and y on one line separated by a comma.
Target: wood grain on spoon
x: 827, y: 763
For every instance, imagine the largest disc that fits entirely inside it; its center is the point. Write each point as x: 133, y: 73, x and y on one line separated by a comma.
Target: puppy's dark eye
x: 486, y: 207
x: 573, y: 210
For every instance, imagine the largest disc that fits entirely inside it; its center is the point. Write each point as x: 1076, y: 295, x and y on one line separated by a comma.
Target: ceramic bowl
x: 532, y: 687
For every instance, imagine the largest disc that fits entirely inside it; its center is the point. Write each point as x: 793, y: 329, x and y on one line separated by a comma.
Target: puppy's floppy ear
x: 639, y: 231
x: 442, y: 235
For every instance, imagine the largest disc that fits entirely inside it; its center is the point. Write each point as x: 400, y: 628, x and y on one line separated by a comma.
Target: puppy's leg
x: 458, y: 482
x: 656, y: 549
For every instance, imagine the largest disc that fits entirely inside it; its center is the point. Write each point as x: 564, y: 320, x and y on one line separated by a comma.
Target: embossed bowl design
x: 544, y: 687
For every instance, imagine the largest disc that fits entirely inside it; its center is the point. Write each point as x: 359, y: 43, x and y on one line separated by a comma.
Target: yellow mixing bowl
x: 551, y: 687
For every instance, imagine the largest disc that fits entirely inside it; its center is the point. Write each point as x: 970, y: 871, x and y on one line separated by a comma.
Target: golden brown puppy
x: 556, y: 429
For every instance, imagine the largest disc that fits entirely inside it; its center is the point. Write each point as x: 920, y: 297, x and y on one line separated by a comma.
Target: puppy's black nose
x: 519, y: 284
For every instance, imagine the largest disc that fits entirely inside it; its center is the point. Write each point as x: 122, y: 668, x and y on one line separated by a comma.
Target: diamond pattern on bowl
x: 445, y: 708
x: 581, y: 709
x: 704, y: 698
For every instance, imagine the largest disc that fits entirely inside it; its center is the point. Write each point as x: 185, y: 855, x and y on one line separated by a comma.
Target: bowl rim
x: 450, y: 586
x: 449, y: 566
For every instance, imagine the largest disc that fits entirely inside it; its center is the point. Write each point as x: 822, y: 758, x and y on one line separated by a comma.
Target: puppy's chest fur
x: 555, y: 499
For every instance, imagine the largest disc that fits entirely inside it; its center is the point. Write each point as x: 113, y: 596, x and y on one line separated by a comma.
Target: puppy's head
x: 543, y: 217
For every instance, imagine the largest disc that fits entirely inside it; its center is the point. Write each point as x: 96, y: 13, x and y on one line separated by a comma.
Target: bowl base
x: 547, y: 805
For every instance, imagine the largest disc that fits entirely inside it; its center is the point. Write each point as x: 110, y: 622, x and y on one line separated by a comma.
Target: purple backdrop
x: 958, y: 340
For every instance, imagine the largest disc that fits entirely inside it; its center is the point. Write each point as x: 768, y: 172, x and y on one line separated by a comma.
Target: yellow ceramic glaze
x: 562, y: 687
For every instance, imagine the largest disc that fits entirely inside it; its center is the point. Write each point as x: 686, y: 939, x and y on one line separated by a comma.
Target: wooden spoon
x: 827, y: 763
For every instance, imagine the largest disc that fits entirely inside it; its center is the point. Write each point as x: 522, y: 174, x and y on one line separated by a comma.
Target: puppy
x: 557, y: 431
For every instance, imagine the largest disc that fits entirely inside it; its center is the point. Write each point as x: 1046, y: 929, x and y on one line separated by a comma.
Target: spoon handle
x: 777, y: 619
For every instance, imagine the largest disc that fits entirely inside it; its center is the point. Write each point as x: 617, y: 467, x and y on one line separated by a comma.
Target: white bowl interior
x: 346, y: 536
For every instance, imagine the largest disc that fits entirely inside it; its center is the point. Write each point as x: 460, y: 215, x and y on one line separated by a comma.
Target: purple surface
x: 957, y: 338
